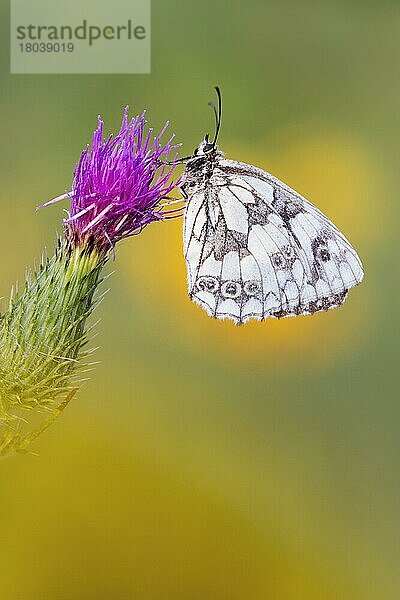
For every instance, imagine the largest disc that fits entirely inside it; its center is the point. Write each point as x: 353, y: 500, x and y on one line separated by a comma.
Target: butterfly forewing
x: 254, y: 248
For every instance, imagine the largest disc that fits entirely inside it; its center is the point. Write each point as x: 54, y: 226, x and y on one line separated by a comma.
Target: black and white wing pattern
x: 254, y: 248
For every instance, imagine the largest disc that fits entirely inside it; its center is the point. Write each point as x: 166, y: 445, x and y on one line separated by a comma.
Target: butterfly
x: 254, y: 248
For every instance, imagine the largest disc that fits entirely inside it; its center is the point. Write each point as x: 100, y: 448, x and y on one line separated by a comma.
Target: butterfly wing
x: 255, y: 248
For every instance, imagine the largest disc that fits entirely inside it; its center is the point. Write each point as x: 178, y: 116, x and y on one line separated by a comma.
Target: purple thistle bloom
x: 118, y: 185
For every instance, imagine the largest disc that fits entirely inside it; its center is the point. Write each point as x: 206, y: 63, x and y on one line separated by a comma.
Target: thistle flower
x: 118, y: 187
x: 118, y: 184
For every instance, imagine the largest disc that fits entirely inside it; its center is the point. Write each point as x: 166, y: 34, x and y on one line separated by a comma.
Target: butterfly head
x: 205, y: 148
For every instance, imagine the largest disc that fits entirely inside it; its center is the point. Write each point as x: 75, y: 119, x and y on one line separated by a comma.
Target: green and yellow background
x: 204, y: 461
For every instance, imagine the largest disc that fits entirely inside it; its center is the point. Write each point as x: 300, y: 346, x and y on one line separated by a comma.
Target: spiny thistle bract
x: 118, y: 187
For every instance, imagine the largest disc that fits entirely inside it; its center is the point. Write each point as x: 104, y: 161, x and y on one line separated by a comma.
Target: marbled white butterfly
x: 254, y: 248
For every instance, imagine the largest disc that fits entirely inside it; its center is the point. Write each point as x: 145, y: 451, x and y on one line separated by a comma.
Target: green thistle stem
x: 43, y: 336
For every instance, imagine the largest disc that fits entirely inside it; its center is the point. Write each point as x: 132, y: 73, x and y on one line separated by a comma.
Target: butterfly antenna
x: 218, y: 114
x: 215, y: 113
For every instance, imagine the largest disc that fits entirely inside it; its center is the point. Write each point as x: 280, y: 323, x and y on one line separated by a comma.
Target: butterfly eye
x: 208, y: 148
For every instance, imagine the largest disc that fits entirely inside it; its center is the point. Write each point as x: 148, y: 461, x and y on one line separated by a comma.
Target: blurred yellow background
x: 204, y: 461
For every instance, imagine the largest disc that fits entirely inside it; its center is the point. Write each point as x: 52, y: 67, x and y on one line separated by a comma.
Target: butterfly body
x: 255, y: 248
